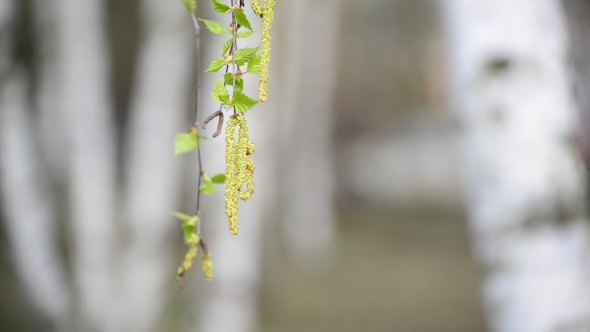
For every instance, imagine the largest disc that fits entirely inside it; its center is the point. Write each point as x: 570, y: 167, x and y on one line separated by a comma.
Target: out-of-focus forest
x: 419, y: 167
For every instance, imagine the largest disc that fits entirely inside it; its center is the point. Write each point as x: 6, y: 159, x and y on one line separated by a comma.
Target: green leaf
x: 189, y: 233
x: 186, y: 143
x: 220, y: 7
x: 208, y: 188
x: 217, y: 64
x: 182, y: 216
x: 219, y: 178
x: 244, y: 34
x: 243, y: 103
x: 220, y: 94
x: 189, y: 224
x: 187, y: 6
x: 227, y: 46
x: 206, y: 177
x: 194, y: 5
x: 245, y: 54
x: 203, y: 137
x: 242, y: 19
x: 254, y: 66
x: 229, y: 80
x: 215, y: 27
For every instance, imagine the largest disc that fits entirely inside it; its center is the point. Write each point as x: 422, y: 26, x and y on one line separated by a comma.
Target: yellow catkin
x: 188, y: 259
x: 256, y: 7
x: 241, y: 149
x: 239, y: 168
x: 245, y: 164
x: 207, y: 267
x: 245, y: 195
x: 231, y: 174
x: 268, y: 15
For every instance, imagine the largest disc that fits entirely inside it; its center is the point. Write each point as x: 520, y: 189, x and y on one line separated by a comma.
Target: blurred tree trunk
x: 154, y: 176
x: 525, y: 187
x: 578, y: 13
x: 86, y: 110
x: 310, y: 46
x: 28, y: 204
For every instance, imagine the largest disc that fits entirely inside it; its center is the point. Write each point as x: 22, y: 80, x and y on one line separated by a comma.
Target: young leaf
x: 186, y: 143
x: 244, y: 34
x: 182, y: 216
x: 215, y: 27
x: 193, y: 5
x: 219, y: 178
x: 254, y: 66
x: 217, y: 64
x: 244, y: 55
x: 242, y: 19
x: 227, y: 46
x: 189, y: 224
x: 229, y: 80
x: 243, y: 103
x: 187, y: 6
x: 220, y: 94
x: 220, y: 7
x: 206, y: 177
x: 208, y: 188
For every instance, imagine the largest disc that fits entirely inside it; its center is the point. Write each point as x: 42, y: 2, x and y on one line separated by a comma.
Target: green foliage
x: 208, y: 188
x: 190, y: 5
x: 220, y: 7
x: 219, y: 178
x: 220, y: 94
x: 243, y: 103
x: 254, y: 65
x: 229, y: 80
x: 189, y: 226
x: 227, y: 46
x: 216, y: 65
x: 244, y: 55
x: 215, y: 27
x: 186, y: 5
x: 186, y: 142
x: 242, y: 19
x: 244, y: 34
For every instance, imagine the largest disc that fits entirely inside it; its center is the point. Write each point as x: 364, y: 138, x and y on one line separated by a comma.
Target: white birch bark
x: 158, y: 112
x: 87, y: 114
x: 27, y: 203
x: 48, y: 120
x: 231, y: 302
x: 28, y: 207
x: 524, y: 182
x: 307, y: 122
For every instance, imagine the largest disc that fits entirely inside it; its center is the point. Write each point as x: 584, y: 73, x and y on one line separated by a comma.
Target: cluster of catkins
x: 239, y: 167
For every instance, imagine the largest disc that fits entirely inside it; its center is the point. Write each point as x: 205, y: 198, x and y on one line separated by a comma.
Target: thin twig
x: 204, y: 246
x: 197, y: 104
x: 234, y: 48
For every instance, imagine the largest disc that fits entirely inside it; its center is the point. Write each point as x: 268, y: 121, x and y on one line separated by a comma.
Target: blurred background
x: 420, y: 166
